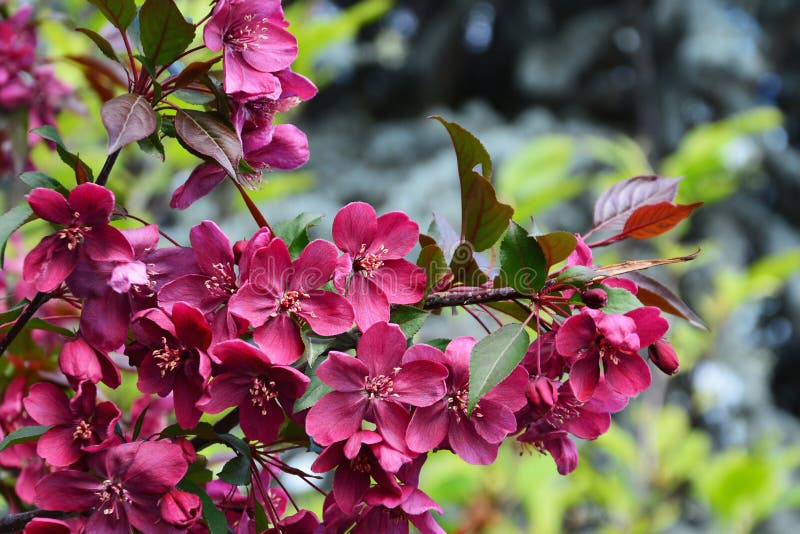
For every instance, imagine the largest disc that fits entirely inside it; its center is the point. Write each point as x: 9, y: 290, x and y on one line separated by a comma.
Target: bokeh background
x: 568, y: 97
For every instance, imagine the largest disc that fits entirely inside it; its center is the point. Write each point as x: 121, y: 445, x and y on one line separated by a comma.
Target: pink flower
x: 278, y: 289
x: 78, y: 425
x: 389, y: 514
x: 591, y: 337
x: 171, y: 355
x: 85, y: 216
x: 372, y: 273
x: 380, y: 384
x: 80, y: 361
x: 123, y: 489
x: 474, y: 437
x: 254, y: 42
x: 664, y: 356
x: 262, y: 391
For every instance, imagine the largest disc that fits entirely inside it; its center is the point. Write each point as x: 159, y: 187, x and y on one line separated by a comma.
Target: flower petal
x: 370, y: 305
x: 401, y: 281
x: 106, y: 243
x: 328, y: 314
x: 576, y: 333
x: 346, y: 409
x: 629, y: 376
x: 583, y: 377
x: 280, y: 339
x: 47, y: 404
x: 204, y: 178
x: 428, y: 427
x: 342, y: 372
x: 381, y: 348
x: 314, y: 267
x: 395, y: 233
x: 49, y: 263
x: 68, y: 491
x: 50, y: 205
x: 355, y: 225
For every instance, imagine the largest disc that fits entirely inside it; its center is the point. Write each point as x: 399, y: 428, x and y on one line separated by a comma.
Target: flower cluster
x: 297, y: 343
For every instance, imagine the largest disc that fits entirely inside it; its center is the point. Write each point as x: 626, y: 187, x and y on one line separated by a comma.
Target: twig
x: 22, y: 320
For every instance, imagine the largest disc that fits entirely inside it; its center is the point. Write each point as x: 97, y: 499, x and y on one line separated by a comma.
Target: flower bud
x: 542, y: 394
x: 663, y: 355
x: 594, y: 298
x: 180, y: 508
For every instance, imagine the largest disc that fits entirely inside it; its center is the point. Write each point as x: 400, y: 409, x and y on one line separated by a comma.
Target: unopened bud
x: 542, y: 394
x: 663, y: 355
x: 238, y: 250
x: 594, y: 298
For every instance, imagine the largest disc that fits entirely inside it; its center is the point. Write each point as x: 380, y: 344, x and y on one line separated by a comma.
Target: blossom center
x: 248, y: 35
x: 167, y: 358
x: 73, y: 235
x: 380, y: 386
x: 83, y: 431
x: 368, y: 263
x: 458, y: 401
x: 360, y: 464
x: 563, y: 411
x: 112, y: 496
x: 262, y: 392
x: 608, y: 351
x: 291, y: 301
x: 221, y: 284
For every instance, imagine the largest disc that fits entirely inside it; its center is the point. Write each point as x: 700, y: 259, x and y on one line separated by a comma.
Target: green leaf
x: 316, y: 389
x: 557, y: 246
x: 620, y: 300
x: 577, y: 275
x: 483, y: 217
x: 119, y: 13
x: 202, y: 430
x: 72, y: 160
x: 137, y: 428
x: 12, y: 313
x: 165, y: 33
x: 11, y: 220
x: 235, y: 443
x: 25, y: 434
x: 523, y: 265
x: 36, y: 179
x: 40, y: 324
x: 408, y: 318
x: 295, y: 232
x: 101, y: 42
x: 215, y: 520
x: 439, y: 343
x: 262, y: 523
x: 494, y: 358
x: 236, y: 471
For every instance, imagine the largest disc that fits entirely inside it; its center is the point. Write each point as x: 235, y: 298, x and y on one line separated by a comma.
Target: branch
x: 475, y: 295
x: 22, y: 320
x: 102, y: 178
x: 16, y: 522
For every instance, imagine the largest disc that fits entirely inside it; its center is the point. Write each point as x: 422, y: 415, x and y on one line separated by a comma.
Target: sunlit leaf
x: 494, y: 358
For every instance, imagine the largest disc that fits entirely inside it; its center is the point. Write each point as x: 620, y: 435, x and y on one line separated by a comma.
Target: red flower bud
x: 594, y: 298
x: 542, y: 395
x: 664, y: 356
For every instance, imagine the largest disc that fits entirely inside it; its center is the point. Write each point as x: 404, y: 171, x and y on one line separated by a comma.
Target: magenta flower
x: 389, y: 514
x: 85, y: 215
x: 474, y: 437
x: 364, y: 456
x: 254, y: 42
x: 123, y: 490
x: 78, y: 425
x: 262, y: 391
x: 180, y: 508
x: 592, y: 337
x: 171, y: 355
x: 278, y: 289
x: 380, y: 384
x: 372, y: 273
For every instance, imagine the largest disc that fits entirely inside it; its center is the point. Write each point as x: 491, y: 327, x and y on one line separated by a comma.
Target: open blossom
x: 389, y: 514
x: 380, y: 384
x: 255, y: 43
x: 171, y: 355
x: 124, y: 488
x: 372, y: 274
x: 85, y: 216
x: 474, y: 437
x: 78, y: 425
x: 592, y: 337
x: 262, y: 391
x: 278, y: 289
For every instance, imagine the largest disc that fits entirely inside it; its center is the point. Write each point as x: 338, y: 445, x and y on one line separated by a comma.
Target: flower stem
x: 254, y: 211
x: 102, y: 178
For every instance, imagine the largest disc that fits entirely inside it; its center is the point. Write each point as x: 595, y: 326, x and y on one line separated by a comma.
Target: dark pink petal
x: 495, y: 422
x: 59, y: 447
x: 272, y: 54
x: 68, y: 491
x: 576, y: 334
x: 588, y: 425
x: 106, y: 243
x: 287, y: 150
x: 253, y: 304
x: 241, y: 358
x: 582, y: 255
x: 49, y: 263
x: 424, y: 352
x: 468, y: 445
x: 342, y: 372
x: 604, y: 399
x: 418, y: 503
x: 280, y: 339
x: 155, y: 467
x: 192, y: 290
x: 583, y: 377
x: 270, y: 268
x: 619, y: 330
x: 47, y: 404
x: 420, y: 383
x: 186, y: 391
x: 401, y: 281
x: 104, y: 320
x: 328, y: 314
x: 44, y: 525
x: 260, y: 426
x: 392, y: 421
x: 260, y: 239
x: 511, y: 391
x: 426, y: 524
x: 314, y: 267
x: 395, y: 233
x: 213, y: 248
x: 346, y: 409
x: 630, y: 376
x: 109, y: 523
x: 50, y: 206
x: 428, y: 427
x: 180, y: 508
x: 349, y: 486
x: 381, y: 348
x: 151, y: 380
x: 650, y: 326
x: 215, y: 28
x: 563, y: 451
x: 143, y: 239
x: 355, y: 225
x: 191, y: 327
x: 226, y: 390
x: 332, y: 456
x: 622, y: 283
x: 457, y: 356
x: 93, y: 202
x: 204, y: 178
x: 369, y: 303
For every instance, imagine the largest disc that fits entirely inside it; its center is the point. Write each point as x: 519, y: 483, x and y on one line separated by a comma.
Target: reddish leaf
x: 431, y: 258
x: 655, y: 219
x: 81, y: 176
x: 127, y: 118
x: 557, y: 246
x: 192, y: 72
x: 625, y: 267
x: 207, y: 135
x: 654, y: 293
x: 623, y: 198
